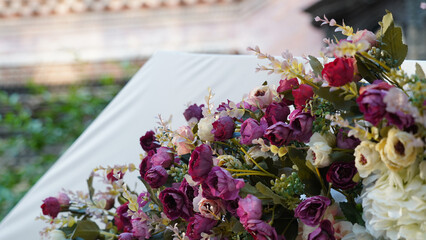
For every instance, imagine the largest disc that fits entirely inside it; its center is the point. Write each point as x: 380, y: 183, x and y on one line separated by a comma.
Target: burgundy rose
x: 194, y: 111
x: 370, y: 101
x: 287, y: 84
x: 339, y: 72
x: 156, y: 176
x: 223, y: 128
x: 260, y: 230
x: 51, y: 207
x: 220, y: 184
x: 163, y: 157
x: 252, y: 129
x: 199, y: 224
x: 302, y: 94
x: 311, y: 210
x: 249, y: 208
x: 201, y: 162
x: 175, y: 204
x: 231, y: 206
x: 146, y: 163
x: 325, y: 231
x: 401, y: 120
x: 346, y: 142
x: 190, y: 191
x: 122, y: 218
x: 340, y: 174
x: 279, y: 134
x: 301, y: 124
x: 113, y: 177
x: 276, y: 112
x: 148, y: 141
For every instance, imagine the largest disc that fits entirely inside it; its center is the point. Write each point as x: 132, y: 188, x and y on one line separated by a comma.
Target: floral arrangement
x: 335, y: 152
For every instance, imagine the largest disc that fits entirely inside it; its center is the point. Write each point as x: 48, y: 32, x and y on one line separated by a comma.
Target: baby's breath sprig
x: 178, y: 172
x: 163, y: 132
x: 289, y: 187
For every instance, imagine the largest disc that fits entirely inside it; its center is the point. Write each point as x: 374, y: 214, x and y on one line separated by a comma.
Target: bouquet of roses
x: 334, y: 152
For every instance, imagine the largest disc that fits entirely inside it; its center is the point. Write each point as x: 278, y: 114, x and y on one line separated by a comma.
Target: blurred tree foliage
x: 38, y: 126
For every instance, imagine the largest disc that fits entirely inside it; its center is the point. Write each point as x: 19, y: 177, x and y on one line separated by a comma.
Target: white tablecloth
x: 165, y: 85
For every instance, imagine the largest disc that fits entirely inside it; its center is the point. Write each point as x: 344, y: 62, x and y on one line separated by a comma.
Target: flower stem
x: 320, y: 178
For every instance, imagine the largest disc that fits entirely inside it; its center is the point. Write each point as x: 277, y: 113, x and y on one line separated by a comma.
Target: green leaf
x: 90, y: 186
x: 309, y: 178
x: 315, y: 65
x: 266, y: 191
x: 419, y: 72
x: 351, y: 213
x: 391, y: 41
x: 249, y: 189
x: 338, y: 100
x: 86, y: 230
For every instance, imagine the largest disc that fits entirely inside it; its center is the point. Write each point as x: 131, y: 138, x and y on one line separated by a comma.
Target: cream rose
x: 260, y: 96
x: 205, y: 128
x: 320, y: 149
x: 399, y: 149
x: 210, y: 208
x: 367, y: 159
x: 183, y: 140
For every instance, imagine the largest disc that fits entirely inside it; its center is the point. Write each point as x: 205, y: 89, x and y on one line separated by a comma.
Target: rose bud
x: 164, y: 157
x: 370, y: 101
x: 148, y: 141
x: 175, y: 204
x: 113, y: 176
x: 220, y: 184
x: 223, y: 128
x: 287, y: 84
x: 252, y: 129
x: 63, y: 199
x: 311, y: 210
x: 279, y: 134
x: 260, y: 96
x: 276, y: 112
x: 183, y: 139
x: 146, y: 163
x: 122, y: 218
x: 302, y: 95
x: 260, y: 230
x: 199, y: 224
x: 156, y: 176
x: 301, y: 123
x: 188, y: 190
x: 346, y: 142
x: 194, y: 113
x: 340, y: 174
x: 249, y: 208
x: 200, y: 163
x: 140, y: 229
x: 325, y: 231
x: 339, y: 72
x: 51, y: 207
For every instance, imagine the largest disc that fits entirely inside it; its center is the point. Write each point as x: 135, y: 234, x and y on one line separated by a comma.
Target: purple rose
x: 51, y: 207
x: 325, y: 231
x: 126, y: 236
x: 223, y: 128
x: 252, y: 129
x: 163, y: 157
x: 156, y: 176
x: 370, y: 101
x: 194, y: 111
x: 340, y: 174
x: 346, y: 142
x: 122, y: 218
x: 260, y: 230
x: 199, y: 224
x: 148, y: 141
x: 401, y: 120
x: 287, y: 84
x: 311, y: 210
x: 219, y: 183
x: 175, y: 204
x: 201, y: 162
x: 279, y: 134
x: 146, y: 163
x: 301, y: 123
x: 276, y: 112
x: 190, y: 191
x: 140, y: 229
x: 249, y: 208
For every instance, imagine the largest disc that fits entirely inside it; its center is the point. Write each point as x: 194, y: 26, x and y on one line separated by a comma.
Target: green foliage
x: 315, y: 65
x: 36, y: 127
x: 86, y: 230
x: 352, y: 213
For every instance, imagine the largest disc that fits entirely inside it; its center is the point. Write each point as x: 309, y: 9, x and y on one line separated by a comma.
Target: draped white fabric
x: 165, y: 85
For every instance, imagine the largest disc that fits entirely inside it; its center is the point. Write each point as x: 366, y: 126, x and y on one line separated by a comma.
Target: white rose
x: 260, y: 96
x: 399, y: 150
x: 320, y: 149
x: 367, y: 159
x: 205, y: 128
x: 57, y: 235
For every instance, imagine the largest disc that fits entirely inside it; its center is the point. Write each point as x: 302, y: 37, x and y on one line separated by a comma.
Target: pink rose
x: 261, y: 96
x: 249, y: 208
x: 183, y: 139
